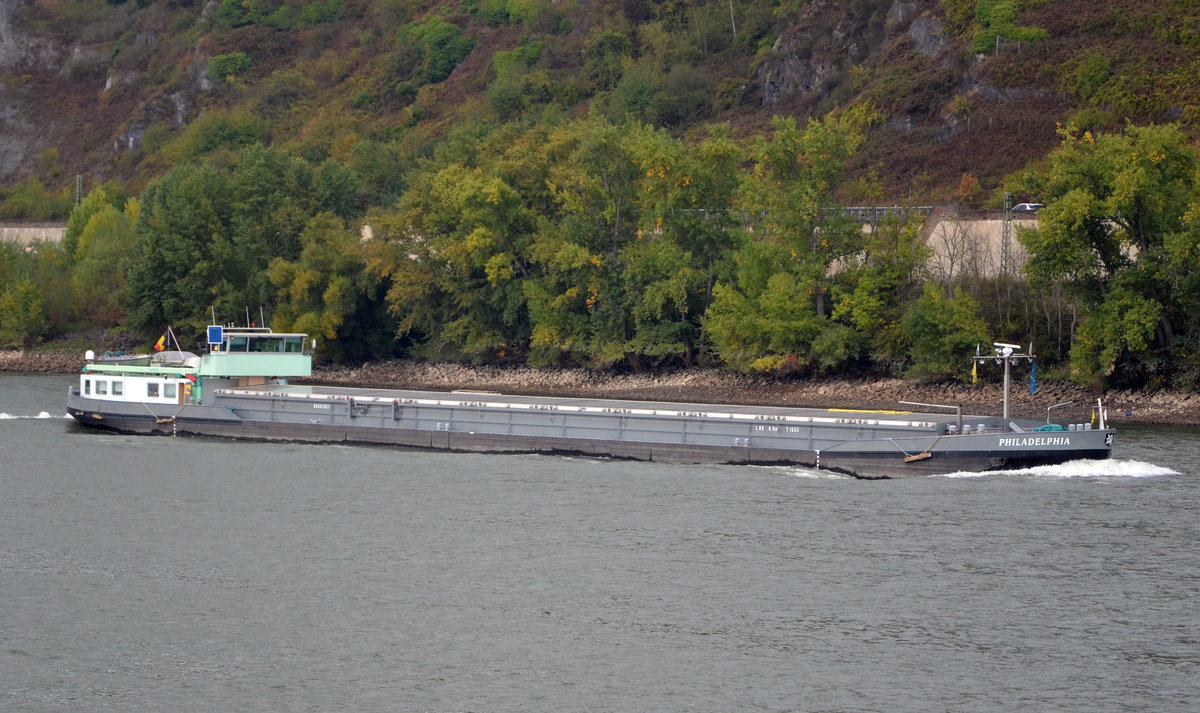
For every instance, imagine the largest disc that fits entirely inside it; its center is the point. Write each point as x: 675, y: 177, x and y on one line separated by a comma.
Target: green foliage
x: 997, y: 20
x: 235, y: 13
x: 944, y: 332
x: 216, y: 130
x: 327, y: 293
x: 1120, y: 330
x: 438, y: 46
x: 104, y: 248
x: 506, y: 63
x: 225, y: 66
x: 22, y: 323
x: 769, y: 315
x: 31, y: 200
x: 204, y: 237
x: 493, y: 12
x: 605, y: 52
x: 1091, y: 73
x: 288, y: 15
x: 102, y: 196
x: 451, y: 253
x: 1118, y: 207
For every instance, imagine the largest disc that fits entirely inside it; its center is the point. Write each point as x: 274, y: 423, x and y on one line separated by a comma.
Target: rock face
x: 18, y: 133
x: 830, y: 37
x: 18, y: 50
x: 815, y: 48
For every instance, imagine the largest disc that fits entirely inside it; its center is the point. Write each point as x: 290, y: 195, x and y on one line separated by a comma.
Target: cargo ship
x: 241, y: 387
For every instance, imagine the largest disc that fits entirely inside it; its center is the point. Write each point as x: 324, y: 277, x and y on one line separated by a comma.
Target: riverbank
x: 713, y: 386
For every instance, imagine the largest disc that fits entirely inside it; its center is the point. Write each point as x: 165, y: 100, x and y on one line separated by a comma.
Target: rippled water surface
x: 158, y: 574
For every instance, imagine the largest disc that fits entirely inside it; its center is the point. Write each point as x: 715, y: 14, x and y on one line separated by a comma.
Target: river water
x: 160, y: 574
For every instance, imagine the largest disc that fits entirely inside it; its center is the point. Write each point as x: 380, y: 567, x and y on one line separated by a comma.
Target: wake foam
x: 43, y: 414
x: 1082, y: 469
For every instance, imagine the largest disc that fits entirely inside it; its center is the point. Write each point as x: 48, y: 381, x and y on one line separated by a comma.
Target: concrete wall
x: 972, y: 244
x: 26, y: 232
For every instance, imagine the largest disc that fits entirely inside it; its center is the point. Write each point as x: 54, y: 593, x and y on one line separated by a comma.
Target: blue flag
x: 1032, y: 377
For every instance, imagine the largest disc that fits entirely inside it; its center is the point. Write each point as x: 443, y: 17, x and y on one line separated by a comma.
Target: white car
x: 1030, y: 207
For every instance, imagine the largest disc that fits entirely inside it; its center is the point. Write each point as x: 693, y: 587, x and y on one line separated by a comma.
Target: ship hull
x: 863, y: 444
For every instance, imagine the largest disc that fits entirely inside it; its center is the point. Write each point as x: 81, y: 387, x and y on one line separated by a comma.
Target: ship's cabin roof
x: 255, y: 341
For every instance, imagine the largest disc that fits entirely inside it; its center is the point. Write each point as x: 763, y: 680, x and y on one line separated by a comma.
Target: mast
x: 1006, y: 354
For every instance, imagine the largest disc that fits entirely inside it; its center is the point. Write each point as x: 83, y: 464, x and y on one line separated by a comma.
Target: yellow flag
x: 161, y: 343
x: 974, y: 372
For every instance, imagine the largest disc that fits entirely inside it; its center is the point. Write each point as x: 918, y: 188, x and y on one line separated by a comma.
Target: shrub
x: 225, y: 66
x: 441, y: 45
x: 493, y: 12
x: 22, y: 322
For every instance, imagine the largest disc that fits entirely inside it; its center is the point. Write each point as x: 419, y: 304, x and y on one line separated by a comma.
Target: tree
x: 944, y: 331
x: 1117, y: 208
x: 875, y: 287
x: 768, y: 316
x: 95, y: 201
x: 172, y: 277
x: 22, y: 322
x: 455, y: 249
x: 327, y: 292
x: 579, y: 299
x: 104, y: 246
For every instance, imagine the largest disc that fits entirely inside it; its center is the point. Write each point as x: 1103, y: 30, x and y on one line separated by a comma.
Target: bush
x: 230, y: 129
x: 22, y: 322
x: 441, y: 45
x: 225, y: 66
x: 944, y: 332
x: 493, y: 12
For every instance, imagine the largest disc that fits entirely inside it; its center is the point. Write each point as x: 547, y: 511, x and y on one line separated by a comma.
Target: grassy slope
x: 314, y: 86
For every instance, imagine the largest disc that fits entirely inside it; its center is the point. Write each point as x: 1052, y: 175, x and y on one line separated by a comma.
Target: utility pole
x: 78, y: 188
x: 1006, y: 237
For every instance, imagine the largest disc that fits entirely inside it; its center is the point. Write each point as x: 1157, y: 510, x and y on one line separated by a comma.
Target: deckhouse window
x: 101, y: 387
x: 152, y: 390
x: 87, y: 386
x: 118, y: 388
x: 169, y: 391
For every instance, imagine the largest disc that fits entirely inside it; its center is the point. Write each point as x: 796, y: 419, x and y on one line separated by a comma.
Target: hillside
x: 122, y: 90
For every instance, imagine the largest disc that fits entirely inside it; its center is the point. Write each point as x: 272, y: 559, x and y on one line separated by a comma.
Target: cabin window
x: 87, y: 386
x: 238, y: 344
x: 101, y: 387
x: 169, y: 391
x: 118, y: 388
x: 293, y: 345
x: 152, y: 390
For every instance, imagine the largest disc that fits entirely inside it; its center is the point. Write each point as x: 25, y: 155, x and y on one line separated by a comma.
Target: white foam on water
x: 1081, y: 469
x: 802, y: 472
x: 42, y: 414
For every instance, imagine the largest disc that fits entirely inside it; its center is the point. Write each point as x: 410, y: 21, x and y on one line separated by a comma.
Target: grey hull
x: 859, y: 443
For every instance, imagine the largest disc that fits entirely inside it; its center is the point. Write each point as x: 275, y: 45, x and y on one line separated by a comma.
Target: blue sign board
x: 216, y: 334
